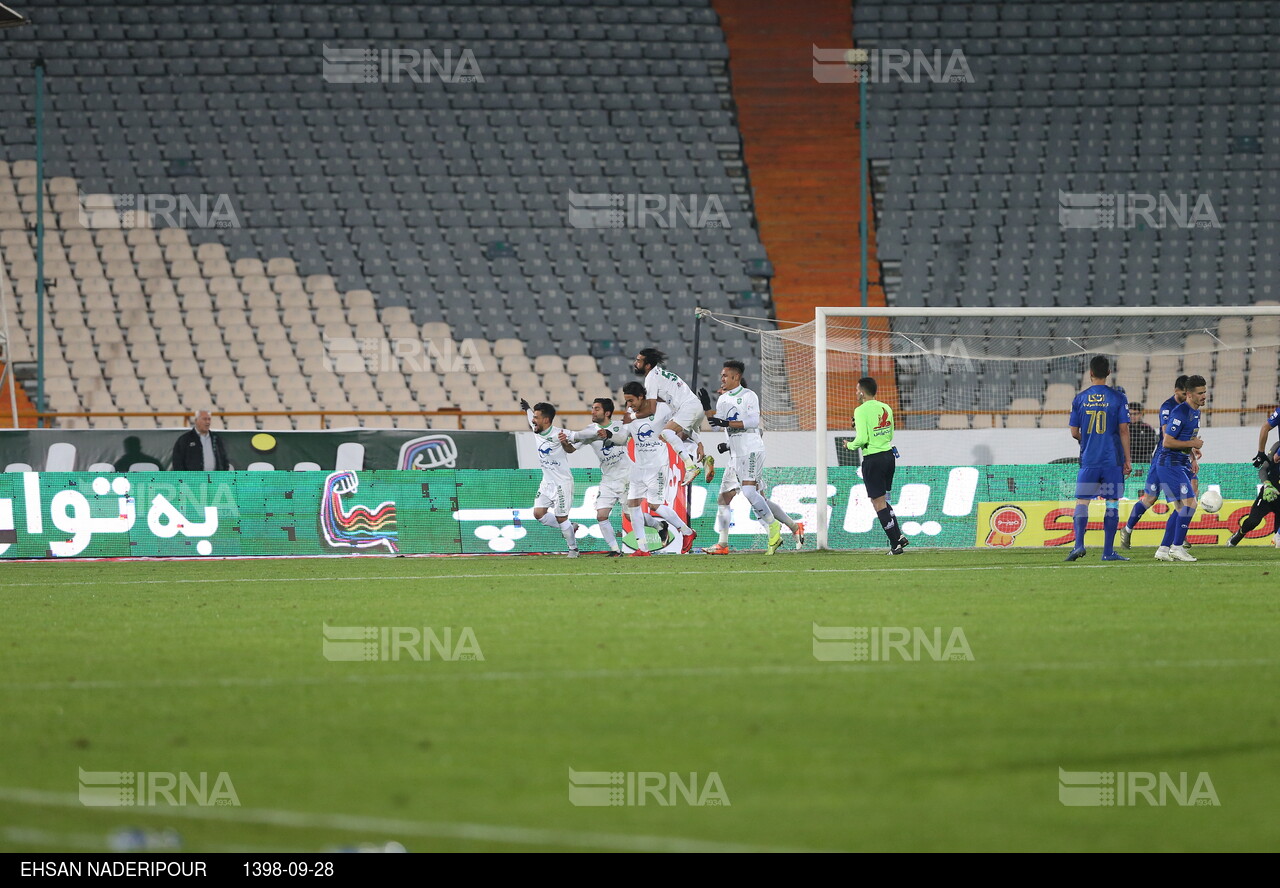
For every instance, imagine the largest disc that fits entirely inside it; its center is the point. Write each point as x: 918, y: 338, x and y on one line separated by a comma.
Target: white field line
x: 648, y: 571
x: 382, y: 826
x: 467, y: 674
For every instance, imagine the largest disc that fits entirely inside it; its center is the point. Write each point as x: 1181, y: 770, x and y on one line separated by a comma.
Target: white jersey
x: 615, y: 464
x: 741, y: 405
x: 552, y: 457
x: 663, y: 385
x: 651, y: 448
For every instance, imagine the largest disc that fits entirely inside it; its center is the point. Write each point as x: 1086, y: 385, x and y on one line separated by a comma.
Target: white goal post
x: 960, y: 374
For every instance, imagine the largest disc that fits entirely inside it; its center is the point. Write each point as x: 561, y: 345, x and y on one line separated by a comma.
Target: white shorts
x: 650, y: 484
x: 750, y: 467
x: 690, y: 416
x: 610, y: 493
x: 730, y: 483
x: 555, y: 497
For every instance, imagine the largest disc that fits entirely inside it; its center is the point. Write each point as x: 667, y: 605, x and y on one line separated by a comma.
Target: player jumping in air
x: 1151, y: 488
x: 660, y: 384
x: 1100, y: 422
x: 737, y: 411
x: 649, y: 472
x: 1181, y: 440
x: 608, y: 439
x: 555, y: 494
x: 873, y: 432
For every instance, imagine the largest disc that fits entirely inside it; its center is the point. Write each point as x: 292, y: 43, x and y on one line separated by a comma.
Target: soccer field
x: 698, y: 674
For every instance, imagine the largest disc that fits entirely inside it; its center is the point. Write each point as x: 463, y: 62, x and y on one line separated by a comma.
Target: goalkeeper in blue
x: 1181, y: 441
x: 1100, y: 422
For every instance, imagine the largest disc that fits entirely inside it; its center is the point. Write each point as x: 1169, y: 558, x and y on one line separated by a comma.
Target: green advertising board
x: 460, y: 511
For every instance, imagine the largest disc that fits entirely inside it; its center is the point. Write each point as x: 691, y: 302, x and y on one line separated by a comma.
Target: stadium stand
x: 434, y: 209
x: 1084, y: 98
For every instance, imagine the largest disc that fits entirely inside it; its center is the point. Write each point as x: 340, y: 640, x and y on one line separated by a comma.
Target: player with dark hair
x: 649, y: 472
x: 1268, y: 500
x: 1100, y: 422
x: 873, y: 432
x: 661, y: 384
x: 555, y: 493
x: 608, y: 439
x: 1151, y: 487
x: 737, y: 411
x: 1181, y: 441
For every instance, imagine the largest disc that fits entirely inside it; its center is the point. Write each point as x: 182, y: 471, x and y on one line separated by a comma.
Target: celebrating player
x: 873, y: 432
x: 660, y: 384
x: 555, y: 493
x: 1100, y: 422
x: 649, y: 472
x: 1181, y: 441
x: 608, y: 439
x: 1151, y: 488
x: 737, y: 411
x: 1268, y: 501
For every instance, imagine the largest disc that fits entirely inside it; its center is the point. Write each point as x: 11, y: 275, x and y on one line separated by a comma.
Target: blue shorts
x: 1175, y: 483
x: 1103, y: 481
x: 1151, y: 487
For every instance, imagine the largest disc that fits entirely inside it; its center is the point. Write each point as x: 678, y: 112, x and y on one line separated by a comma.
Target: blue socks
x: 1139, y: 509
x: 1110, y: 524
x: 1081, y: 522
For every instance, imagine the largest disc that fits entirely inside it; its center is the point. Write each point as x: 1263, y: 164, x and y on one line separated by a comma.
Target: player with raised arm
x: 649, y: 471
x: 1100, y: 422
x: 608, y: 439
x: 1181, y: 440
x: 555, y: 493
x: 737, y: 411
x: 1151, y: 487
x: 873, y: 432
x: 660, y: 384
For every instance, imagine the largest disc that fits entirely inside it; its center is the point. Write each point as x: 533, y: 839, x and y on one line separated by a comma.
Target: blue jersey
x: 1165, y: 409
x: 1274, y: 419
x: 1183, y: 425
x: 1098, y: 412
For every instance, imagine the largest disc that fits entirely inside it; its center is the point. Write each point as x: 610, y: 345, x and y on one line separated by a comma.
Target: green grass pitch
x: 648, y: 668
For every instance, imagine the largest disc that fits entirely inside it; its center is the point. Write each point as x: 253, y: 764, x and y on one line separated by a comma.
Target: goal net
x: 993, y: 387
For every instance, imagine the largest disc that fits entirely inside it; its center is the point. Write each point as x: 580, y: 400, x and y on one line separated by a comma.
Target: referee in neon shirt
x: 873, y: 432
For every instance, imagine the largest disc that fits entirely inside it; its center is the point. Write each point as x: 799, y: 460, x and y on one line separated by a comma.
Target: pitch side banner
x: 373, y: 449
x: 57, y: 515
x: 1036, y: 525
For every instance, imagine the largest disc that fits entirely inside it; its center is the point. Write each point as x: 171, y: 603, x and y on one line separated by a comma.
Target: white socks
x: 759, y: 505
x: 610, y: 537
x: 668, y: 514
x: 722, y: 523
x: 781, y: 514
x: 637, y: 525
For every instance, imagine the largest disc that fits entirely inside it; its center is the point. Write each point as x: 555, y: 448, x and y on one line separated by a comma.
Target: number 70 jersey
x: 1098, y: 413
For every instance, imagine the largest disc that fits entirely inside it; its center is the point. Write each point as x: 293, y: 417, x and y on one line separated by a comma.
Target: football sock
x: 1081, y: 522
x: 549, y: 520
x: 1135, y: 515
x: 759, y: 506
x: 1110, y: 524
x: 1184, y: 524
x: 1170, y: 528
x: 722, y: 523
x: 781, y: 514
x: 674, y: 440
x: 889, y: 522
x: 668, y: 514
x: 637, y: 525
x: 566, y: 528
x: 610, y: 537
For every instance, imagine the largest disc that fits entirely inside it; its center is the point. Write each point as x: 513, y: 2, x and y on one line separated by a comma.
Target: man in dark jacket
x: 1142, y: 437
x: 200, y: 450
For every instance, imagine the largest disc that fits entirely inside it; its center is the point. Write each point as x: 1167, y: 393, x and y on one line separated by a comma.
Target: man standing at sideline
x: 200, y: 450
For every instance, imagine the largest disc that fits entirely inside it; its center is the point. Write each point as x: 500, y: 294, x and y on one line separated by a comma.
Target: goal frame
x: 823, y: 313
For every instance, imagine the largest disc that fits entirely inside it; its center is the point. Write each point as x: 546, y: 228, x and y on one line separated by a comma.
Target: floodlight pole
x: 39, y: 66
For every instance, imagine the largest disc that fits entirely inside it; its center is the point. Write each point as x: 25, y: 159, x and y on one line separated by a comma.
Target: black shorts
x: 877, y: 473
